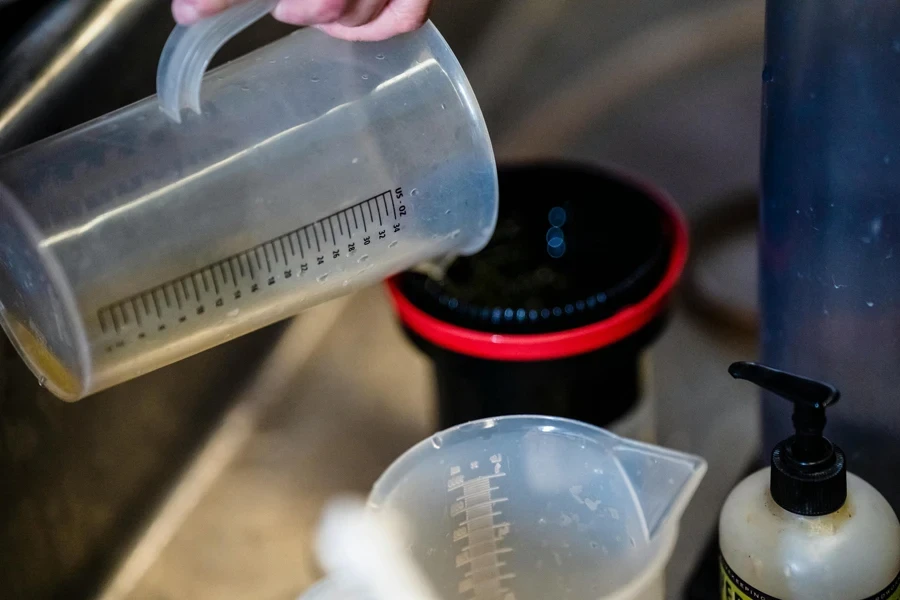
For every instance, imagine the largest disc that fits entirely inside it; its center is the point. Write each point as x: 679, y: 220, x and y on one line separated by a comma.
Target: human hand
x: 356, y: 20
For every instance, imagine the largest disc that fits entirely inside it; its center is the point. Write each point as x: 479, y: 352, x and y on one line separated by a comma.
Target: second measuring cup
x: 530, y: 508
x: 317, y: 166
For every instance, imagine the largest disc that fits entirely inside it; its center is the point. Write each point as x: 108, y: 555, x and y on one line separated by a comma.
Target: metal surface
x: 71, y: 37
x: 79, y: 481
x: 234, y: 432
x: 28, y: 53
x: 688, y: 39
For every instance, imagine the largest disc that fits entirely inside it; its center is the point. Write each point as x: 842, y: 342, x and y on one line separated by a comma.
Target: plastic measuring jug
x: 316, y: 166
x: 531, y: 508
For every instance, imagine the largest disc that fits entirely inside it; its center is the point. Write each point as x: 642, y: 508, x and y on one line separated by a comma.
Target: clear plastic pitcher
x: 315, y: 167
x: 531, y: 508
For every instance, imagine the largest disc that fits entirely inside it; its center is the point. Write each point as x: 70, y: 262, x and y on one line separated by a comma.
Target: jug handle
x: 189, y: 49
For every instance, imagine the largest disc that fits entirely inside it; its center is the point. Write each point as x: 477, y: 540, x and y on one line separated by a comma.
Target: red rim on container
x: 568, y: 342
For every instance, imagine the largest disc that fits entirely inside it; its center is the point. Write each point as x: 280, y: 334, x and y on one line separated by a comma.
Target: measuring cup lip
x: 60, y: 286
x: 565, y: 343
x: 396, y: 469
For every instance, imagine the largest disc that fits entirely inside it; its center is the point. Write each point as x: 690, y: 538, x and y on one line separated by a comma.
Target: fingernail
x: 282, y: 13
x: 185, y: 13
x: 290, y: 12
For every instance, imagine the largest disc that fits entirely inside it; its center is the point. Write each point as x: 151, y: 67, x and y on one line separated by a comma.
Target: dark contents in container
x: 570, y: 249
x: 574, y: 246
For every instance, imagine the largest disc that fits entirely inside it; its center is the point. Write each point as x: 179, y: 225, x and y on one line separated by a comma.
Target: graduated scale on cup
x: 303, y: 171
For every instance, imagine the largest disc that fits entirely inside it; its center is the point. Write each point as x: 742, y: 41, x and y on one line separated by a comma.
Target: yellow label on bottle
x: 732, y: 587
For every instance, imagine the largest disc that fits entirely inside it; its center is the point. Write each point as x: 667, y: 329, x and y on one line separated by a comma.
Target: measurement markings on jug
x: 481, y: 531
x: 226, y: 284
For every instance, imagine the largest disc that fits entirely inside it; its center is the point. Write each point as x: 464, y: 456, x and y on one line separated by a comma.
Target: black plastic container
x: 555, y: 315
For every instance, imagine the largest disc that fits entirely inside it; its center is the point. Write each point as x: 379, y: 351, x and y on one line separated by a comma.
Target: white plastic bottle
x: 805, y: 529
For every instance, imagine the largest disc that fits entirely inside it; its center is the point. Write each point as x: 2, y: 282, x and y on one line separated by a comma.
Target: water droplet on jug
x: 364, y: 76
x: 42, y: 381
x: 443, y: 107
x: 455, y: 234
x: 314, y: 79
x: 393, y: 244
x: 632, y: 542
x: 345, y: 283
x: 321, y: 278
x: 414, y: 192
x: 233, y: 313
x: 245, y: 88
x: 379, y: 56
x: 272, y: 62
x: 437, y: 441
x: 363, y: 258
x: 447, y: 212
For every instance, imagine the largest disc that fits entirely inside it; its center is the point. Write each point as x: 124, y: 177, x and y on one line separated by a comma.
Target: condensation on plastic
x: 189, y: 50
x: 99, y: 224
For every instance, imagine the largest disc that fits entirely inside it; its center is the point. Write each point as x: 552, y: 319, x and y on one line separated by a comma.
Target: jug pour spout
x: 662, y: 482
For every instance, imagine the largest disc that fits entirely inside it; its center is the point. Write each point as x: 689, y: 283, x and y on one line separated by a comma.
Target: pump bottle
x: 805, y: 528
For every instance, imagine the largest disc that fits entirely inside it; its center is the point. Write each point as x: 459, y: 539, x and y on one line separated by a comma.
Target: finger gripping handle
x: 189, y: 50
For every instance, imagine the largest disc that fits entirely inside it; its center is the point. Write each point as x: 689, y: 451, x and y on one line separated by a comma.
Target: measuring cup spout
x: 661, y: 481
x: 540, y: 507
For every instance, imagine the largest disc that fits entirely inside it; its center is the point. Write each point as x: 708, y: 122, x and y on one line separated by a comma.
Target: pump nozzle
x: 808, y: 472
x: 810, y: 398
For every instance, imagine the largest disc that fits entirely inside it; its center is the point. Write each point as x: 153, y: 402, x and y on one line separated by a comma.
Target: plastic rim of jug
x: 62, y: 364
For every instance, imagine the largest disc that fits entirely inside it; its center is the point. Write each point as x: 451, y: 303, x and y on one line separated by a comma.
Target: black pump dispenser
x: 809, y: 473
